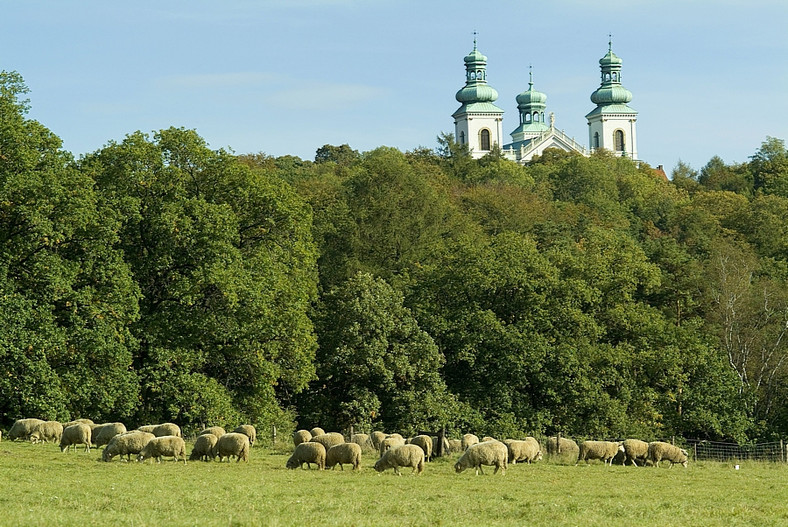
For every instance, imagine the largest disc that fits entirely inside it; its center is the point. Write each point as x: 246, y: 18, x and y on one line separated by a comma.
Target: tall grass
x: 39, y: 485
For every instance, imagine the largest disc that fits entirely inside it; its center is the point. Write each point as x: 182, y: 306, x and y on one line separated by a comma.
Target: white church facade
x: 478, y: 122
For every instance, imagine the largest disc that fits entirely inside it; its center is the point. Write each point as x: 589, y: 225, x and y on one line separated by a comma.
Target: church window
x: 462, y: 138
x: 618, y: 139
x: 536, y: 117
x: 485, y: 139
x: 596, y: 139
x: 528, y: 118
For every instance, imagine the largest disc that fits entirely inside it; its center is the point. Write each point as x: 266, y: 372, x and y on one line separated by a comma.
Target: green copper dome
x: 610, y: 59
x: 615, y: 94
x: 475, y: 56
x: 477, y: 93
x: 476, y: 89
x: 531, y: 97
x: 611, y: 91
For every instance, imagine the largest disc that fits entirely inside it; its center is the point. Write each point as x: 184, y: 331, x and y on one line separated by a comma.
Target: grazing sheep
x: 78, y: 434
x: 203, y: 447
x: 425, y: 442
x: 22, y: 428
x: 167, y: 429
x: 218, y: 431
x: 486, y: 453
x: 317, y: 431
x: 377, y: 437
x: 658, y: 450
x: 488, y: 438
x: 46, y: 431
x: 249, y: 431
x: 301, y: 436
x: 402, y: 456
x: 528, y: 450
x: 468, y: 440
x: 348, y: 453
x: 364, y: 441
x: 232, y: 444
x: 126, y: 444
x: 635, y: 450
x: 566, y: 449
x: 390, y: 442
x: 102, y: 434
x: 88, y: 422
x: 308, y: 453
x: 328, y: 440
x: 161, y: 446
x: 455, y: 446
x: 396, y: 436
x: 604, y: 450
x: 147, y: 428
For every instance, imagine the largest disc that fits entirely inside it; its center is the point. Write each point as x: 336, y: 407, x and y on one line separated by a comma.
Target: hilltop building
x: 478, y: 122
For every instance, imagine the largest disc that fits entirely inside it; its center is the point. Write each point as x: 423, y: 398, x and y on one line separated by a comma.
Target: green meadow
x: 42, y: 486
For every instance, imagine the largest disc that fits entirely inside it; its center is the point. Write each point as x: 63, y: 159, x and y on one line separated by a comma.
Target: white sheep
x: 364, y: 441
x: 301, y: 436
x: 232, y: 444
x: 126, y: 444
x: 344, y: 453
x: 102, y: 434
x: 47, y: 431
x: 88, y: 422
x: 402, y: 456
x: 486, y: 453
x: 22, y: 428
x: 308, y: 453
x: 203, y: 447
x: 376, y: 437
x: 249, y: 431
x: 161, y: 446
x: 455, y: 446
x: 658, y: 451
x: 468, y: 440
x: 389, y: 442
x: 446, y: 446
x: 77, y: 434
x: 527, y: 451
x: 425, y: 442
x: 218, y: 431
x: 635, y: 450
x: 328, y: 440
x: 604, y: 450
x: 167, y: 429
x: 317, y: 431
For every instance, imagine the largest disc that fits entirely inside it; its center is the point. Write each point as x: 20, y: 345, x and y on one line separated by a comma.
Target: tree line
x: 159, y: 280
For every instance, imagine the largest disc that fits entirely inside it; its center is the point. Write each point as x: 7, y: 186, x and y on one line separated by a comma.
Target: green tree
x: 769, y: 166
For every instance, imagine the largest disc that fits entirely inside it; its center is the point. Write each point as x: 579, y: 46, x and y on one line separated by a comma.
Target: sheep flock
x: 324, y: 450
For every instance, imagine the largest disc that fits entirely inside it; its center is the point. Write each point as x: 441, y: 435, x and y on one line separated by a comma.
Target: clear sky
x: 286, y: 77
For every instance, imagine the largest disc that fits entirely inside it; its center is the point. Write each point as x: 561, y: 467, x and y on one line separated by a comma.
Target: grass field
x: 39, y: 485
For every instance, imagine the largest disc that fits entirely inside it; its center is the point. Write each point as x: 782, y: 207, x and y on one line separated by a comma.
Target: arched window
x: 462, y: 138
x: 484, y: 135
x: 536, y: 117
x: 528, y: 118
x: 618, y: 139
x: 596, y: 139
x: 607, y: 77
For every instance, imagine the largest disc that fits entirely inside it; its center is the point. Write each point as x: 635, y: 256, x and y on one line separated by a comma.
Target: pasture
x: 39, y: 485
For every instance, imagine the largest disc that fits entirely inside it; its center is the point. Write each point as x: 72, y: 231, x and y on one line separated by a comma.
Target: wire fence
x: 717, y: 451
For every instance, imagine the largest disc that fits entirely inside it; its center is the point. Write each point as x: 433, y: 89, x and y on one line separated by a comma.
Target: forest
x: 157, y: 279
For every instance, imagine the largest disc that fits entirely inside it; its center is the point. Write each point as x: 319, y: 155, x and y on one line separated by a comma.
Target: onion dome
x: 531, y: 97
x: 476, y: 89
x: 611, y: 91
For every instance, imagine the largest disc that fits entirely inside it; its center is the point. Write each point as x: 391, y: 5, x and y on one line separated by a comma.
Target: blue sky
x: 286, y: 77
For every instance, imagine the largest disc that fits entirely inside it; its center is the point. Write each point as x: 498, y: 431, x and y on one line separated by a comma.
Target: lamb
x: 161, y: 446
x: 317, y: 431
x: 46, y: 431
x: 604, y: 450
x: 425, y: 442
x: 78, y: 434
x: 376, y: 438
x: 301, y: 436
x: 485, y: 453
x: 203, y: 447
x: 528, y: 450
x: 402, y: 456
x: 218, y: 431
x: 468, y: 440
x: 102, y: 434
x: 328, y: 440
x: 348, y: 453
x: 635, y: 450
x: 22, y: 428
x: 390, y: 442
x: 126, y: 444
x: 658, y: 450
x: 232, y: 444
x: 309, y: 452
x: 364, y: 441
x: 565, y: 449
x: 249, y: 431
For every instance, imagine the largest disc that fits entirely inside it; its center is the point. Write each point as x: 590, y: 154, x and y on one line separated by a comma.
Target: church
x: 478, y: 122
